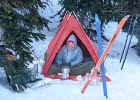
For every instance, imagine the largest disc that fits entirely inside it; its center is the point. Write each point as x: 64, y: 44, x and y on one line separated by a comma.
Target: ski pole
x: 126, y: 39
x: 129, y: 42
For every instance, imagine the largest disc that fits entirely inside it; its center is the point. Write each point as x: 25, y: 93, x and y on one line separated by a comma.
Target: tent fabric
x: 68, y: 25
x: 54, y: 40
x: 72, y: 25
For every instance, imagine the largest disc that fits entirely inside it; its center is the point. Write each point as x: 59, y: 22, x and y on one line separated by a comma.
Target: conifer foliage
x: 21, y: 23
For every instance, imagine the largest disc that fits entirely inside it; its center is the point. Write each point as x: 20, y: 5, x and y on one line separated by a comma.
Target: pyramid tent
x: 70, y: 24
x: 57, y: 36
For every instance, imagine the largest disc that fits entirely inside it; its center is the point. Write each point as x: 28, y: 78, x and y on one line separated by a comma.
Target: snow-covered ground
x: 125, y: 84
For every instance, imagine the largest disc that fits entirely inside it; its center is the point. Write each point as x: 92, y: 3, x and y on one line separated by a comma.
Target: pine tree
x: 107, y: 10
x: 21, y: 23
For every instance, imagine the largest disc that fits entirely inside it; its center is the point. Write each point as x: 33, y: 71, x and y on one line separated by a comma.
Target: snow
x: 124, y: 84
x: 111, y: 27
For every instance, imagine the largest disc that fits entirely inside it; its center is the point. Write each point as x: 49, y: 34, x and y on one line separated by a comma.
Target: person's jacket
x: 70, y: 57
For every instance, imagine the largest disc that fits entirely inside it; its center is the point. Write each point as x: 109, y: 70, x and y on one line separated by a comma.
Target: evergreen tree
x: 21, y: 23
x: 107, y: 10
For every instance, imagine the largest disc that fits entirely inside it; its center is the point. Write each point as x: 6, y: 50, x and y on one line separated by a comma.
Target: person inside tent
x: 70, y: 56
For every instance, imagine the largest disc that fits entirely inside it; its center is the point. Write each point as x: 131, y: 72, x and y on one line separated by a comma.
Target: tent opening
x: 82, y: 68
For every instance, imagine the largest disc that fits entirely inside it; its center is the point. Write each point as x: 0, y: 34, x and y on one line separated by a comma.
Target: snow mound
x: 110, y: 28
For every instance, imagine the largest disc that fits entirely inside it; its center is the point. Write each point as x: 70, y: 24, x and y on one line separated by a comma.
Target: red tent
x: 69, y: 25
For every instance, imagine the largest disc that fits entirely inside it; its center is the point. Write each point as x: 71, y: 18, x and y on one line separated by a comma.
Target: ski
x: 100, y: 46
x: 94, y: 71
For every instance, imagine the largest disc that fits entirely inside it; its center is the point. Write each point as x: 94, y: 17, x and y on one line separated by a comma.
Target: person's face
x: 70, y: 45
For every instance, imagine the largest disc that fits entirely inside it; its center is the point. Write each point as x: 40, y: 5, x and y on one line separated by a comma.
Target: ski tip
x: 127, y: 16
x: 83, y: 90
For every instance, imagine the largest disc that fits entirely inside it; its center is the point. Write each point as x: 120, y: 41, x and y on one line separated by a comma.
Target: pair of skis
x: 94, y: 71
